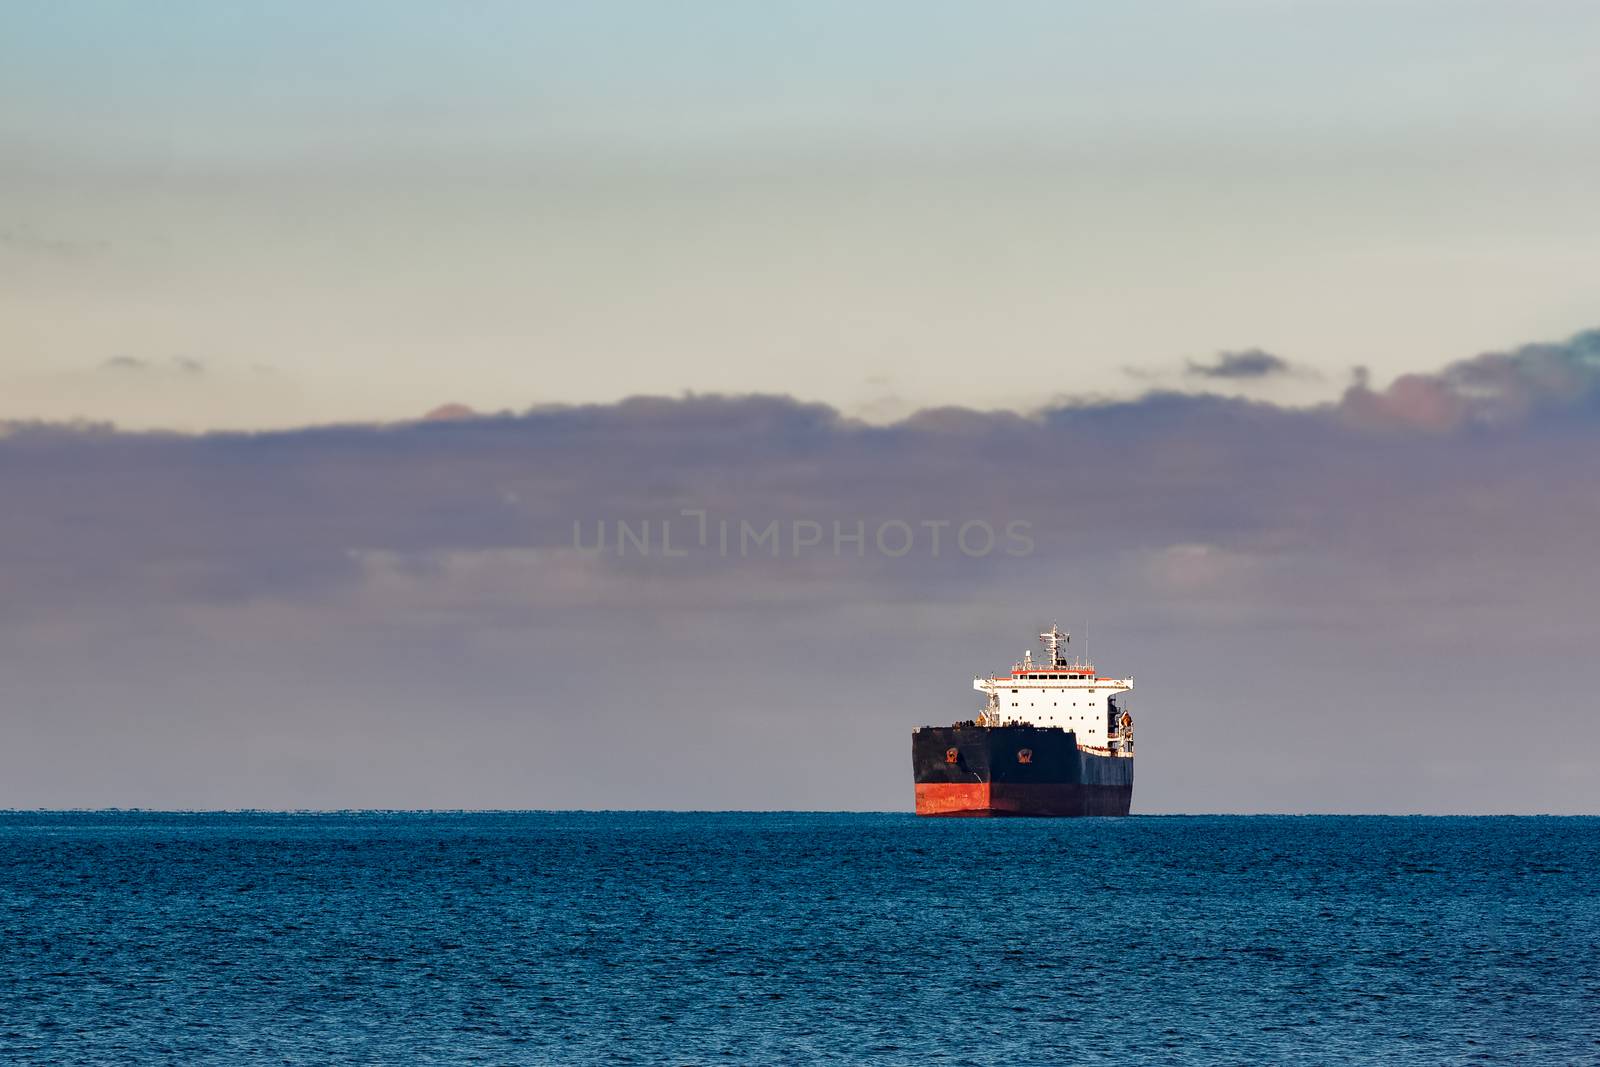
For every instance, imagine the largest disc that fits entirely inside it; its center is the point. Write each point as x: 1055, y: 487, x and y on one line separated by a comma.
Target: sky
x: 297, y: 213
x: 1260, y: 333
x: 1384, y: 603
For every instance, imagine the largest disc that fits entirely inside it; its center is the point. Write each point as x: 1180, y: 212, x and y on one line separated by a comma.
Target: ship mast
x: 1055, y: 642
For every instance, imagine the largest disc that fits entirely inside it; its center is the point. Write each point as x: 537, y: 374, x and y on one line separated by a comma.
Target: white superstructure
x: 1060, y: 692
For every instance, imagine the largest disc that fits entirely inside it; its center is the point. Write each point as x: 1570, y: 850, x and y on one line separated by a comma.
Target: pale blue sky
x: 214, y: 79
x: 359, y: 209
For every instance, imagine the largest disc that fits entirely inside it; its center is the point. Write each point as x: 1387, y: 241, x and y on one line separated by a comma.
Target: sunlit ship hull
x: 1015, y: 770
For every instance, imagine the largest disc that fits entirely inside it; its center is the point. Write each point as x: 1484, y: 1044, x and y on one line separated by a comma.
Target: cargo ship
x: 1054, y: 738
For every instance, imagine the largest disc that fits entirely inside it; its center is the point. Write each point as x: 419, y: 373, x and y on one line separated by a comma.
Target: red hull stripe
x: 1018, y: 798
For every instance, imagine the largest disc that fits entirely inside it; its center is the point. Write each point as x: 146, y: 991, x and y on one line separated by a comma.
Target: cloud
x: 175, y: 392
x: 1250, y: 363
x: 449, y: 413
x: 1282, y: 579
x: 1534, y: 383
x: 176, y: 365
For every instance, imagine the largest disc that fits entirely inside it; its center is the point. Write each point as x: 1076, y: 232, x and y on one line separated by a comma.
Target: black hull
x: 1015, y: 770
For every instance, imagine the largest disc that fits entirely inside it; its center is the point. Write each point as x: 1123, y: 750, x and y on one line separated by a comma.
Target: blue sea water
x: 397, y: 938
